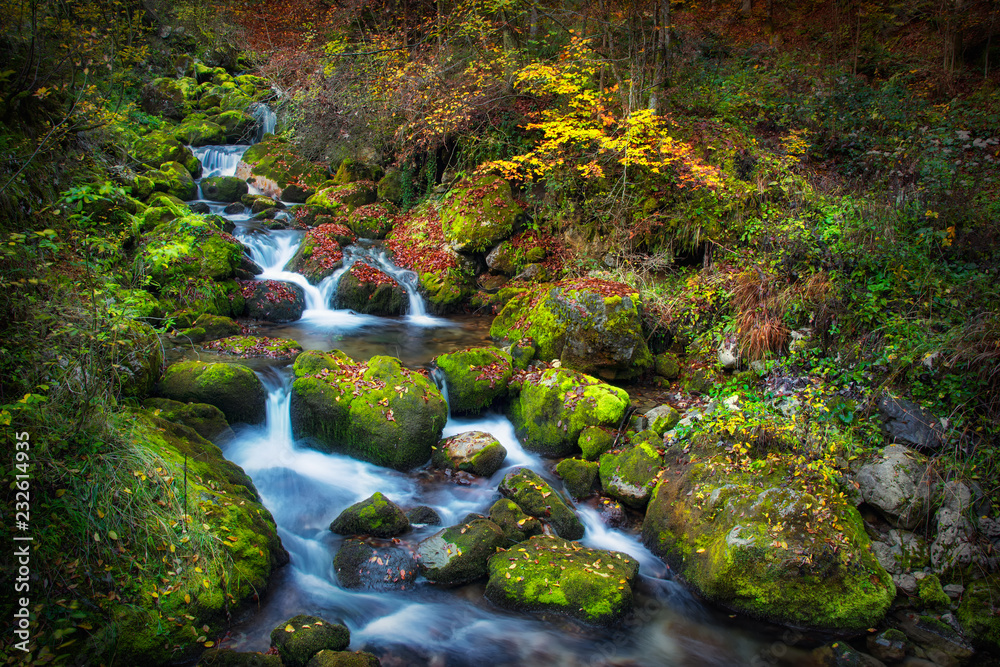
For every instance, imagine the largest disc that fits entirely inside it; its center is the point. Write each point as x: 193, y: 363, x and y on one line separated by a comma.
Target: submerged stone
x: 360, y: 565
x: 458, y: 555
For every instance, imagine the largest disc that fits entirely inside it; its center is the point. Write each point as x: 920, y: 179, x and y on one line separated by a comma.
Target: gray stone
x: 728, y: 355
x: 955, y: 543
x: 900, y: 485
x: 908, y: 423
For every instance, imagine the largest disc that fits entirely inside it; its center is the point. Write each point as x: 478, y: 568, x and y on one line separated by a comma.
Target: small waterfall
x: 219, y: 160
x: 267, y: 120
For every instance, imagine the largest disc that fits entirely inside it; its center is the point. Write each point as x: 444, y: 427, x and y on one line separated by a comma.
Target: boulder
x: 666, y: 366
x: 479, y: 213
x: 273, y: 167
x: 909, y: 424
x: 475, y: 378
x: 320, y: 253
x: 376, y: 516
x: 590, y: 325
x: 251, y: 347
x: 899, y: 483
x: 174, y: 179
x: 631, y: 474
x: 391, y: 188
x: 188, y: 299
x: 360, y: 565
x: 156, y: 148
x: 554, y: 407
x: 204, y: 419
x: 190, y: 246
x: 888, y: 646
x: 424, y: 515
x: 341, y: 200
x: 474, y: 452
x: 239, y: 126
x: 458, y: 555
x: 377, y: 410
x: 170, y: 98
x: 955, y: 544
x: 301, y: 637
x: 234, y: 389
x: 133, y: 351
x: 223, y: 188
x: 516, y: 525
x: 273, y: 300
x: 370, y: 221
x: 594, y: 441
x: 939, y: 640
x: 327, y: 658
x: 550, y: 574
x: 662, y: 418
x: 365, y: 289
x: 979, y: 612
x: 350, y: 171
x: 534, y: 495
x: 578, y: 476
x: 198, y: 130
x: 900, y: 551
x: 758, y: 540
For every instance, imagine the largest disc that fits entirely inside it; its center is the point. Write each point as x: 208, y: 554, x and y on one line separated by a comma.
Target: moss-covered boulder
x: 174, y: 179
x: 341, y: 200
x: 208, y: 327
x: 188, y: 299
x: 350, y: 171
x: 273, y: 167
x: 376, y: 516
x: 206, y: 600
x: 239, y: 126
x: 458, y: 555
x: 273, y: 300
x: 223, y: 188
x: 255, y: 347
x: 594, y: 441
x: 360, y: 565
x: 979, y: 612
x: 171, y: 98
x: 365, y: 289
x: 578, y: 476
x: 474, y: 452
x: 550, y: 574
x: 534, y: 496
x: 666, y: 366
x: 191, y: 246
x: 320, y: 253
x: 630, y: 475
x: 766, y: 541
x: 516, y: 525
x: 391, y: 188
x: 662, y: 418
x: 301, y: 637
x: 377, y: 411
x: 329, y: 658
x: 370, y: 221
x: 234, y: 389
x: 424, y: 514
x: 206, y: 420
x: 227, y: 657
x: 554, y: 407
x: 156, y: 148
x: 133, y: 351
x: 476, y: 378
x: 590, y: 325
x: 198, y: 130
x: 479, y: 213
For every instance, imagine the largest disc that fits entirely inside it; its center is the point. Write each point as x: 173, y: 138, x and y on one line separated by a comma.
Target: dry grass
x: 759, y: 304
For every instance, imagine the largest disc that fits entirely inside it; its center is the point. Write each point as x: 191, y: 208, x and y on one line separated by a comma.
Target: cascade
x: 267, y: 120
x: 219, y: 160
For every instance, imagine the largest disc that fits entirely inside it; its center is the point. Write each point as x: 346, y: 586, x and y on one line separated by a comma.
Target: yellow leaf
x: 187, y: 598
x: 206, y: 583
x: 701, y: 550
x: 289, y: 628
x: 209, y: 644
x: 113, y: 535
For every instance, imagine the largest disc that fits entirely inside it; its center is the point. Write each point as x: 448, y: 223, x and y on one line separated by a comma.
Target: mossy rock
x: 301, y: 637
x: 207, y: 328
x: 343, y: 199
x: 978, y: 612
x: 171, y: 98
x: 188, y: 299
x: 156, y: 148
x: 252, y: 347
x: 227, y: 657
x: 370, y: 221
x: 350, y: 171
x: 260, y: 203
x: 273, y: 300
x: 446, y: 291
x: 329, y: 658
x: 223, y: 188
x: 534, y: 496
x: 234, y: 389
x: 662, y: 418
x: 424, y: 515
x: 479, y: 213
x: 666, y: 366
x: 274, y: 168
x: 630, y: 475
x: 206, y: 420
x: 174, y: 179
x: 553, y: 409
x: 516, y: 525
x: 198, y: 130
x: 227, y: 588
x: 551, y: 574
x: 238, y: 125
x: 191, y: 246
x: 594, y: 441
x: 376, y: 516
x: 578, y: 476
x: 320, y: 254
x: 363, y: 566
x: 474, y: 452
x: 133, y: 351
x: 697, y: 381
x: 377, y: 411
x: 758, y: 541
x: 590, y: 325
x: 458, y: 555
x: 390, y: 187
x: 503, y: 259
x: 476, y: 378
x: 931, y: 593
x: 365, y: 289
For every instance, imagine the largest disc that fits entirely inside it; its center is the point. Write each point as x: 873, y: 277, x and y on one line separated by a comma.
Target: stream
x: 427, y: 625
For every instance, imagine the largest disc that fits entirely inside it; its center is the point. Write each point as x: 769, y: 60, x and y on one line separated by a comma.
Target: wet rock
x: 376, y: 516
x: 909, y: 424
x: 234, y: 389
x: 900, y: 485
x: 589, y: 325
x: 553, y: 408
x: 321, y: 252
x: 376, y: 411
x: 631, y: 475
x: 476, y: 378
x: 516, y: 525
x: 424, y: 515
x: 365, y: 289
x: 227, y: 657
x: 578, y: 476
x: 458, y: 555
x: 979, y: 612
x: 662, y: 418
x: 475, y: 452
x: 889, y: 645
x: 478, y: 213
x: 551, y: 574
x: 206, y: 420
x: 594, y: 441
x: 273, y: 300
x: 236, y: 208
x: 301, y: 637
x: 940, y: 641
x: 534, y: 496
x: 841, y: 654
x: 223, y: 188
x: 612, y: 513
x: 329, y: 658
x: 200, y: 207
x: 360, y: 565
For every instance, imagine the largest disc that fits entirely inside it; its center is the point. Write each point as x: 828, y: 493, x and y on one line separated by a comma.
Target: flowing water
x: 305, y: 490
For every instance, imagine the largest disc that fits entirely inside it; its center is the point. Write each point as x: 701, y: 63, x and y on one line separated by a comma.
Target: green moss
x: 551, y: 574
x: 631, y: 475
x: 376, y: 516
x: 370, y: 221
x: 301, y: 637
x: 534, y: 496
x: 329, y: 658
x: 479, y: 213
x: 458, y: 555
x: 446, y: 290
x: 578, y: 476
x: 931, y: 593
x: 198, y: 130
x: 234, y: 389
x: 475, y: 452
x: 343, y: 199
x: 189, y: 246
x: 223, y: 188
x: 206, y: 420
x: 475, y: 377
x: 516, y: 525
x: 273, y: 162
x: 173, y: 179
x: 978, y: 612
x: 156, y: 148
x: 594, y: 441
